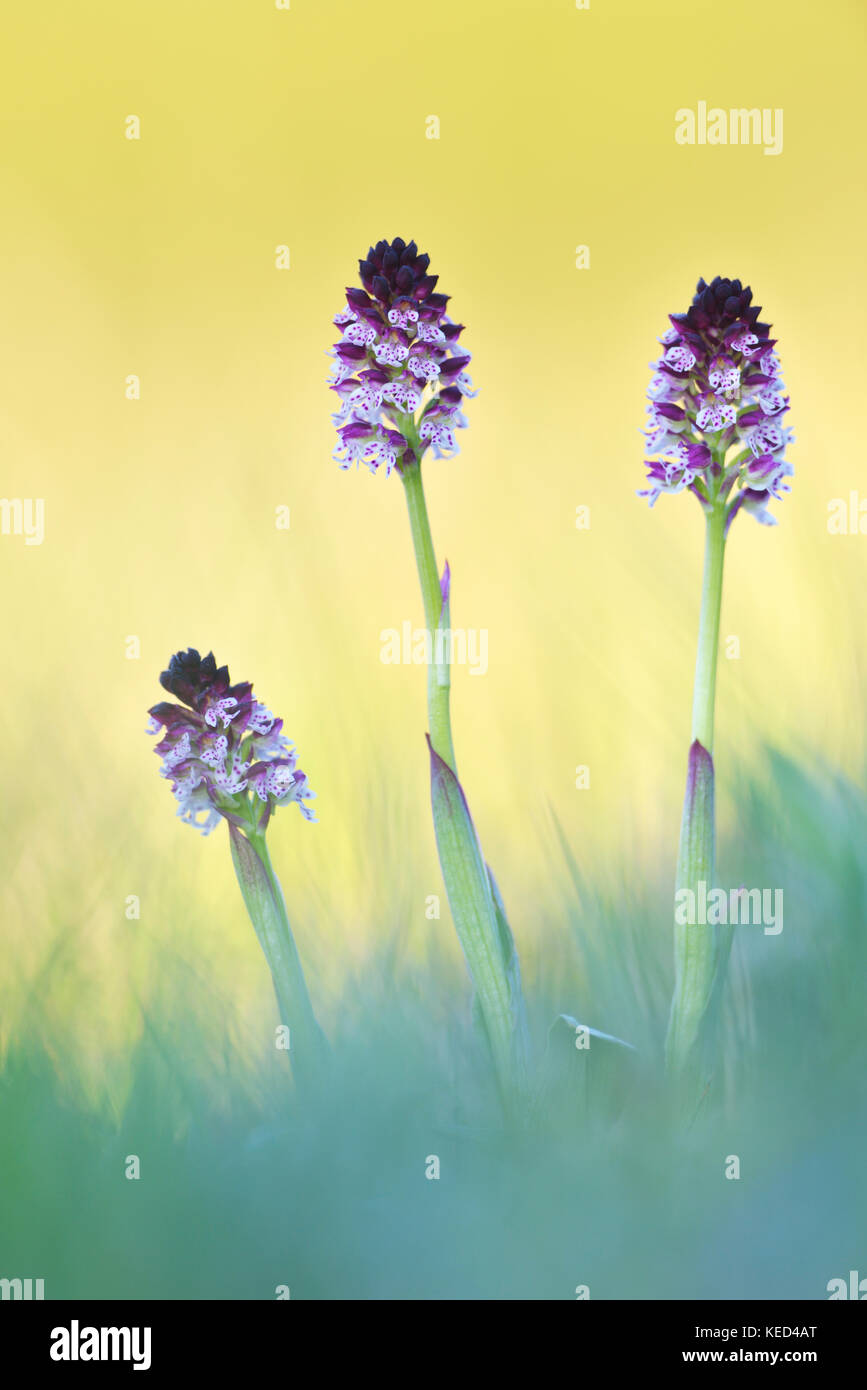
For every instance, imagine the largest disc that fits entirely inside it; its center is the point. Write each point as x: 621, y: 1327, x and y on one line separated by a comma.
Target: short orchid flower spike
x: 399, y: 370
x: 718, y: 406
x: 227, y: 759
x: 223, y: 752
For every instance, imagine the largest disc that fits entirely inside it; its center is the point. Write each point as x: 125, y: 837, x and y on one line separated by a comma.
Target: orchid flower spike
x: 223, y: 752
x: 717, y: 406
x: 399, y: 371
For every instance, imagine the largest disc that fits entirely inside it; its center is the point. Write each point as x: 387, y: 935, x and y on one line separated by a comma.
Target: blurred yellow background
x: 306, y: 127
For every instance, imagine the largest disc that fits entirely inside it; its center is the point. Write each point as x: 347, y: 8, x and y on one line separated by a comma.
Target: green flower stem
x: 704, y: 691
x: 476, y: 907
x: 700, y: 949
x: 263, y: 897
x: 438, y: 678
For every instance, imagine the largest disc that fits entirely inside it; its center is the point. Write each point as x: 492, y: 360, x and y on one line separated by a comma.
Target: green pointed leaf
x: 700, y: 949
x: 586, y: 1073
x: 512, y: 966
x: 468, y: 887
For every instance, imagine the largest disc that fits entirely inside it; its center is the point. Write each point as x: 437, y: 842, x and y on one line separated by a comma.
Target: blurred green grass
x: 241, y: 1191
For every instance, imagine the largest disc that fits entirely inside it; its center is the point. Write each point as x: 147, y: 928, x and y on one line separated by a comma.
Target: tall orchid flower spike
x: 226, y: 758
x: 400, y: 373
x: 717, y: 429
